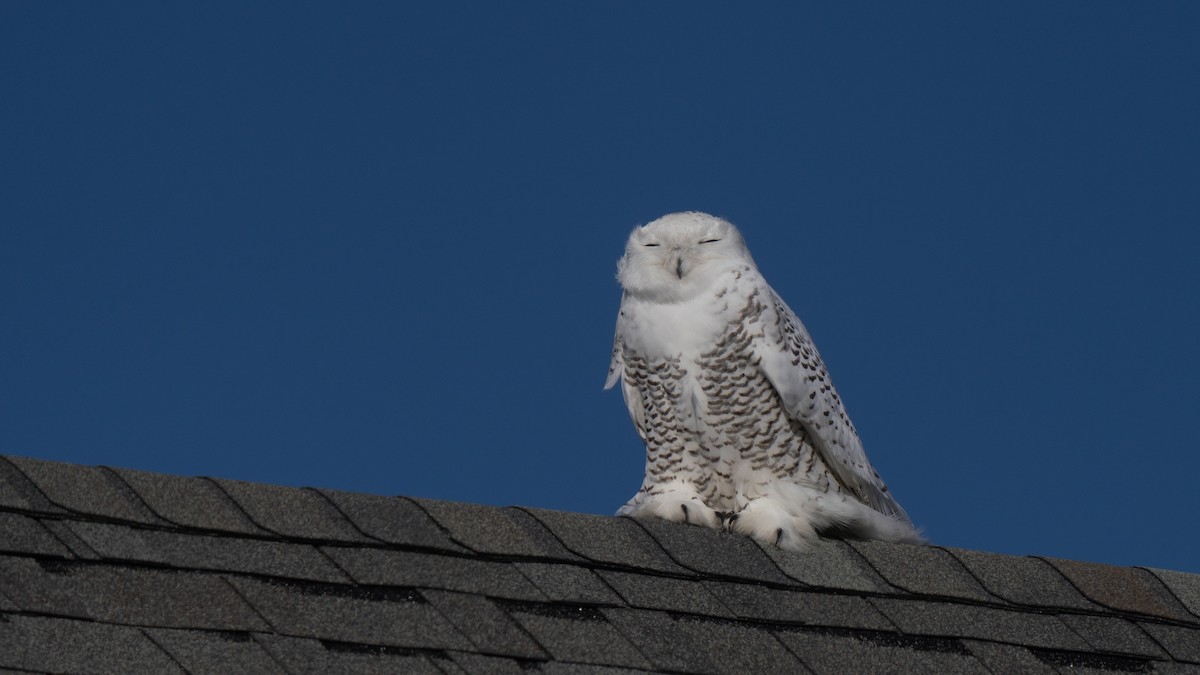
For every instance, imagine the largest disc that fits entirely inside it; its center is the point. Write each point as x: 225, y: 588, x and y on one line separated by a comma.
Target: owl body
x: 741, y: 423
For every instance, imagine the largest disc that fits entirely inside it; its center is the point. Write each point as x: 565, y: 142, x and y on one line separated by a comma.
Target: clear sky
x: 371, y: 245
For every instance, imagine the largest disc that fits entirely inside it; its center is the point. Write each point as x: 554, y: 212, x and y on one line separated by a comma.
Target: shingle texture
x: 112, y: 570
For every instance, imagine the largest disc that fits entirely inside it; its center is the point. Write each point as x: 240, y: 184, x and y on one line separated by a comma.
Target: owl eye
x: 650, y: 244
x: 709, y: 241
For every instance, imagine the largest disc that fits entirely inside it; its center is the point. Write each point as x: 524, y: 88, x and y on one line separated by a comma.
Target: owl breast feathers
x: 742, y: 425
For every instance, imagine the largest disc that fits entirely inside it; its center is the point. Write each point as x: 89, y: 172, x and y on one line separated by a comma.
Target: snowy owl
x: 742, y: 426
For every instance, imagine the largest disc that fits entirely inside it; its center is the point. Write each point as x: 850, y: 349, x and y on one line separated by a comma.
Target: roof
x: 114, y: 570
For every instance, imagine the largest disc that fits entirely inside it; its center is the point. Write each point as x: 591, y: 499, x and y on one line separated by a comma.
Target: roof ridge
x: 423, y: 583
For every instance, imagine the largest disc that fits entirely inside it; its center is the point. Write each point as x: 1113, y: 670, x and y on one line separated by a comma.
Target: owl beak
x: 679, y: 267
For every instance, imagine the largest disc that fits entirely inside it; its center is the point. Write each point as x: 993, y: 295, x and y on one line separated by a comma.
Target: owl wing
x: 616, y: 371
x: 790, y: 361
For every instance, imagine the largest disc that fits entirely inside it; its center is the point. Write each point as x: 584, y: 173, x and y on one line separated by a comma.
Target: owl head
x: 679, y: 255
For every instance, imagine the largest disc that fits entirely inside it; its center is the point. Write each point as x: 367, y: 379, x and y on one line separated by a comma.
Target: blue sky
x: 371, y: 246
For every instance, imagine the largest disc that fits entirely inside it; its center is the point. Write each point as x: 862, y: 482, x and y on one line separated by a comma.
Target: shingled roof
x: 113, y: 570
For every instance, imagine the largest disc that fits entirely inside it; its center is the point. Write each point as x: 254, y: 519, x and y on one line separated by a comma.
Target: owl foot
x: 679, y: 508
x: 767, y: 521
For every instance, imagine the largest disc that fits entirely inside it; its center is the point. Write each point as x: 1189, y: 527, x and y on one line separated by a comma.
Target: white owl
x: 742, y: 425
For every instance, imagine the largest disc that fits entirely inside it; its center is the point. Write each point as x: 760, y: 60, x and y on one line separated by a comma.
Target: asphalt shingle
x: 215, y: 652
x: 126, y: 595
x: 18, y: 492
x: 615, y: 541
x: 25, y: 535
x: 944, y: 619
x: 148, y: 573
x: 383, y: 617
x: 208, y: 552
x: 829, y: 564
x: 88, y: 489
x: 482, y: 664
x: 1002, y: 658
x: 487, y: 626
x: 394, y: 520
x: 306, y: 656
x: 578, y: 635
x: 548, y: 545
x: 376, y: 567
x: 483, y: 529
x: 1113, y: 634
x: 25, y: 583
x: 799, y: 607
x: 568, y: 583
x: 1121, y: 588
x: 714, y: 552
x: 46, y: 644
x: 1185, y: 587
x: 923, y: 570
x: 61, y: 529
x: 291, y: 512
x: 703, y: 646
x: 1021, y: 580
x: 1180, y: 642
x: 835, y: 654
x: 191, y: 502
x: 666, y: 593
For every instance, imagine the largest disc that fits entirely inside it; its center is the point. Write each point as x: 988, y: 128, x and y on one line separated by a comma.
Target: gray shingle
x: 218, y: 653
x: 379, y: 567
x: 191, y: 502
x: 1121, y: 588
x: 1022, y: 580
x: 1181, y: 643
x: 480, y: 664
x: 734, y: 648
x: 24, y: 582
x: 816, y: 609
x: 837, y: 654
x: 568, y: 583
x: 549, y: 546
x: 291, y: 512
x: 944, y: 619
x: 44, y: 644
x: 828, y: 563
x: 22, y: 534
x: 1001, y: 658
x: 616, y: 541
x: 380, y: 585
x: 1185, y: 587
x: 1113, y: 634
x: 487, y: 627
x: 349, y: 614
x: 558, y: 668
x: 921, y: 569
x: 665, y: 593
x: 18, y: 492
x: 64, y: 534
x: 6, y: 605
x: 85, y: 489
x: 127, y: 595
x: 306, y: 656
x: 207, y: 552
x: 1085, y: 663
x: 579, y: 635
x: 483, y: 529
x: 702, y: 646
x: 714, y: 552
x: 394, y: 520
